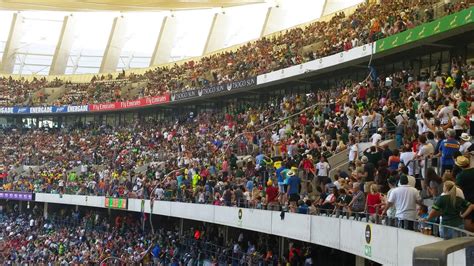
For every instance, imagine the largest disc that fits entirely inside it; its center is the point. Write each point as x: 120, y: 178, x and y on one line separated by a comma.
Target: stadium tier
x: 344, y: 142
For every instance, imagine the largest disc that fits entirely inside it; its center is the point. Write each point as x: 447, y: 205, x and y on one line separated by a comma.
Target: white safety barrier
x: 382, y: 244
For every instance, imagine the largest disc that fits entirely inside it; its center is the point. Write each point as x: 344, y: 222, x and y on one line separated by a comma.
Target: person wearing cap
x: 404, y: 198
x: 465, y: 141
x: 447, y: 148
x: 294, y: 183
x: 271, y: 198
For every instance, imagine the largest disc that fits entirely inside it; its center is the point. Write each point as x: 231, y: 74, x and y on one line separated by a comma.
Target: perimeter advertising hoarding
x: 14, y: 195
x: 116, y: 203
x: 215, y: 89
x: 425, y: 30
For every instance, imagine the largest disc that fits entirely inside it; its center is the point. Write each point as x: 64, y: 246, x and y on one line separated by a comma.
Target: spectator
x: 404, y: 198
x: 448, y: 206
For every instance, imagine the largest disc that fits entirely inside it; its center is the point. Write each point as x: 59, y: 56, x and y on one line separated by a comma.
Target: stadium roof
x: 119, y: 5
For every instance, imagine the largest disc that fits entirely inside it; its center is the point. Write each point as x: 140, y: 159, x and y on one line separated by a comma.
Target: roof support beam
x: 63, y: 48
x: 274, y: 20
x: 12, y: 45
x: 117, y: 40
x: 219, y: 27
x: 164, y: 44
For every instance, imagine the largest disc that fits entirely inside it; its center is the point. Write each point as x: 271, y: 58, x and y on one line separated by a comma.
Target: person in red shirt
x: 374, y: 200
x: 272, y: 196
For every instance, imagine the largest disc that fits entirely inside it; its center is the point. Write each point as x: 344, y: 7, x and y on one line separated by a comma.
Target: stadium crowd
x: 285, y: 145
x: 368, y: 23
x: 72, y: 237
x: 274, y: 155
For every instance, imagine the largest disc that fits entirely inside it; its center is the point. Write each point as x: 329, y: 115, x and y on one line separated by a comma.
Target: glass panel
x: 336, y: 5
x: 42, y: 31
x: 192, y: 32
x: 142, y: 33
x: 304, y: 11
x: 241, y: 30
x: 92, y: 31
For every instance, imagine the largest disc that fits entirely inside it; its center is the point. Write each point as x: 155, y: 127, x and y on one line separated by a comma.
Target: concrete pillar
x: 45, y: 210
x: 12, y: 44
x: 359, y: 261
x: 115, y: 44
x: 219, y: 27
x: 181, y: 226
x: 165, y: 41
x: 63, y: 48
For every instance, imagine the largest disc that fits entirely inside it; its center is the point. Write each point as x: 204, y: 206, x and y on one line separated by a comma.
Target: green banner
x: 116, y: 203
x: 443, y: 24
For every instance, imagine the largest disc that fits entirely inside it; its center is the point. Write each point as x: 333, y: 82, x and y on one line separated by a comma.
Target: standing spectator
x: 465, y: 180
x: 404, y: 198
x: 358, y: 199
x: 447, y: 148
x: 293, y: 187
x: 449, y: 206
x: 373, y: 201
x: 322, y: 169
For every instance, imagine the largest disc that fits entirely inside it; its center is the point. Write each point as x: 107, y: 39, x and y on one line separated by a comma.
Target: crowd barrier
x: 383, y: 244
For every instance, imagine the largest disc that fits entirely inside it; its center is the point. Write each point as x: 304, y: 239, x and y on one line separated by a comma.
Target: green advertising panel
x: 443, y: 24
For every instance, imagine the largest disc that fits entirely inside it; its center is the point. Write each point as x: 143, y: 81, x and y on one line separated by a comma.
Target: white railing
x: 387, y: 245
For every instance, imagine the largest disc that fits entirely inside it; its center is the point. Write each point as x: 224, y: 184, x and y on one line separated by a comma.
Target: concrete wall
x: 388, y: 245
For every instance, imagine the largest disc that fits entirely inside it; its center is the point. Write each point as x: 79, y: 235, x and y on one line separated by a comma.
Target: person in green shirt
x: 449, y: 206
x: 463, y: 106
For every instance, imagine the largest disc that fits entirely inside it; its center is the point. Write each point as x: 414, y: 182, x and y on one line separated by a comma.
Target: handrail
x: 436, y: 254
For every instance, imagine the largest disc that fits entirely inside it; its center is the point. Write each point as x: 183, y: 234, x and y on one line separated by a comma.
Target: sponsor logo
x: 77, y: 108
x: 229, y: 86
x: 185, y: 94
x: 243, y: 83
x: 368, y: 234
x: 61, y: 109
x: 6, y: 110
x: 409, y: 36
x: 129, y: 104
x: 37, y: 110
x: 212, y: 90
x: 172, y: 97
x: 23, y: 110
x: 157, y: 99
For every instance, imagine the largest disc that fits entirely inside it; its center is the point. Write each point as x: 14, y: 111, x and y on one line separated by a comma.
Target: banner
x: 45, y: 109
x: 215, y: 89
x: 425, y: 30
x: 13, y: 195
x: 116, y: 203
x: 147, y: 101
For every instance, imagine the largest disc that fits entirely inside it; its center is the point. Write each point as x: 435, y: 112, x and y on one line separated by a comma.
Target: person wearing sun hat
x: 465, y: 181
x: 465, y: 141
x: 293, y: 186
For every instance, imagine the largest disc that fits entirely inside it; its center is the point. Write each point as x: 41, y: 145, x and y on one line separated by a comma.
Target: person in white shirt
x: 426, y: 151
x: 407, y: 158
x: 401, y: 117
x: 465, y: 141
x: 322, y: 171
x: 377, y: 137
x: 404, y: 198
x: 445, y: 113
x: 353, y: 150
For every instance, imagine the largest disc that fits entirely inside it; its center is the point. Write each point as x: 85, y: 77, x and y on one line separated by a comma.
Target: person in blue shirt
x: 249, y: 185
x: 293, y: 187
x: 448, y: 148
x: 280, y: 177
x: 302, y: 207
x: 156, y: 254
